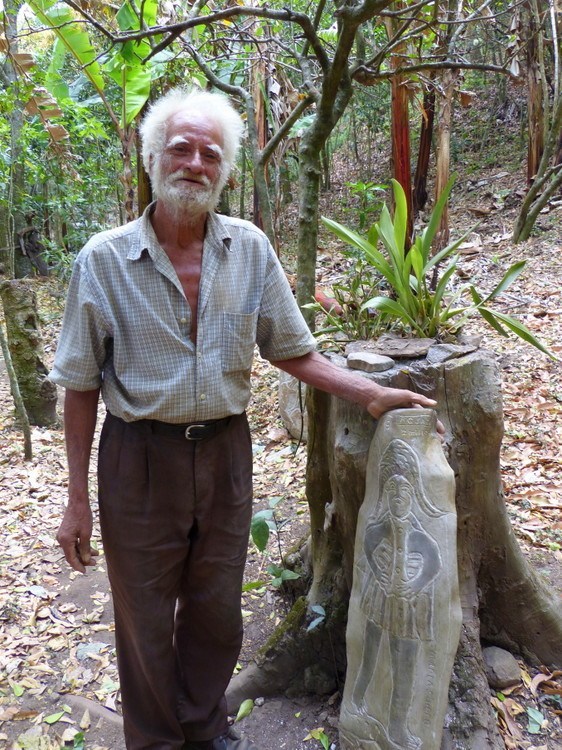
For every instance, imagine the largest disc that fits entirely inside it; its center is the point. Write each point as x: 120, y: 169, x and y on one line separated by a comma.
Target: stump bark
x: 39, y: 394
x: 503, y: 601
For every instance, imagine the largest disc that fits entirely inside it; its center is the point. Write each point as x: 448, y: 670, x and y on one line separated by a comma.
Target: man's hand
x: 319, y: 372
x: 74, y: 536
x: 396, y: 398
x: 75, y: 531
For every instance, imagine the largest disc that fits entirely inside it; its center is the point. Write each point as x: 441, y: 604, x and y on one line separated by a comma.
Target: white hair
x: 213, y: 105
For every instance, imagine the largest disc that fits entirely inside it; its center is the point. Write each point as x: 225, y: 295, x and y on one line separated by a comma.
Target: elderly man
x: 162, y: 316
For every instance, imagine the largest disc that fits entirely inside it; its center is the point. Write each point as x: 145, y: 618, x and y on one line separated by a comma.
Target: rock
x: 444, y: 352
x: 369, y: 362
x: 474, y: 339
x: 501, y: 667
x: 400, y: 348
x: 360, y: 346
x: 318, y: 680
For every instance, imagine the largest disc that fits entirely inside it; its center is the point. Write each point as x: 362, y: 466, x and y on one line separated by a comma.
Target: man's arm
x: 75, y: 531
x: 319, y: 372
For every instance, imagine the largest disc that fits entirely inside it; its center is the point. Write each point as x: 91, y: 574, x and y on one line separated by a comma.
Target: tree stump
x: 503, y: 602
x: 39, y: 394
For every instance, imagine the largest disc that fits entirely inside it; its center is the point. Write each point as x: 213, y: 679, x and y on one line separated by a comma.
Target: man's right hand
x: 74, y: 536
x: 75, y: 531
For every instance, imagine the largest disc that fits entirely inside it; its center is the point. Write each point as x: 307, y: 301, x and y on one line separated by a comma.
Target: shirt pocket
x: 238, y: 340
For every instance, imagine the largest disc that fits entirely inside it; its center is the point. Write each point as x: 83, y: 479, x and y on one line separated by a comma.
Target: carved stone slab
x: 404, y: 614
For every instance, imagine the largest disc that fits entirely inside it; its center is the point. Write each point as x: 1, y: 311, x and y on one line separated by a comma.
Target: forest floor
x: 58, y: 679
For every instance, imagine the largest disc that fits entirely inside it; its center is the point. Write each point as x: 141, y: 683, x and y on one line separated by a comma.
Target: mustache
x: 185, y: 174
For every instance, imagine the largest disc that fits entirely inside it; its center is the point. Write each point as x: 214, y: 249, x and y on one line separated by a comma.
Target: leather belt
x: 190, y: 431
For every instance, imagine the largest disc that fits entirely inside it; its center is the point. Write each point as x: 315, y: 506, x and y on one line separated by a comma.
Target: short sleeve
x: 282, y: 332
x: 85, y: 336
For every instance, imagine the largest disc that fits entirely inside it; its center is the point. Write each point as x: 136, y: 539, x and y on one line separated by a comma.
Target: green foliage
x: 246, y: 708
x: 420, y: 301
x: 352, y: 321
x: 279, y: 575
x: 263, y: 524
x: 320, y: 735
x: 124, y: 64
x: 369, y: 203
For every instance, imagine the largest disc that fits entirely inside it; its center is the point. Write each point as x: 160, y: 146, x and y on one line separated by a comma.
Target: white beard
x: 186, y: 202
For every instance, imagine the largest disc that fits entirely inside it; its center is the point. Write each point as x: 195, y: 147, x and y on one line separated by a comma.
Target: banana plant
x: 420, y: 300
x: 124, y: 65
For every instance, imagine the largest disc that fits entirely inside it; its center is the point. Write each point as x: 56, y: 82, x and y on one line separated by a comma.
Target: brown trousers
x: 175, y: 517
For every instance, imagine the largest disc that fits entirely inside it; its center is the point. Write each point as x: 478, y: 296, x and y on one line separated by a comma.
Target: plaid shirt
x: 127, y: 323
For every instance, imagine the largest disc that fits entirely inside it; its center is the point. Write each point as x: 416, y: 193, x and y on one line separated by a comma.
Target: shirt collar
x: 216, y: 235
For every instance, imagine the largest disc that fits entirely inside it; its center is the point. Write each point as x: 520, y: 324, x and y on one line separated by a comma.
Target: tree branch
x: 369, y: 77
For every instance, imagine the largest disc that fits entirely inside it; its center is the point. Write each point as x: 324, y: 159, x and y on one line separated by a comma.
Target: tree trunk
x: 26, y: 348
x: 443, y: 150
x: 502, y: 599
x: 127, y: 138
x: 13, y: 218
x: 329, y: 111
x: 16, y: 395
x: 424, y: 151
x: 258, y: 87
x: 547, y: 180
x: 535, y: 92
x: 400, y: 127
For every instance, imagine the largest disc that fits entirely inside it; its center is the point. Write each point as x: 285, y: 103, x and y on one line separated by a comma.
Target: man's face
x: 189, y: 175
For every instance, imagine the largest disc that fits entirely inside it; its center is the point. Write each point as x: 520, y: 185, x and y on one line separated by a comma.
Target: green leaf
x: 61, y: 20
x: 393, y: 309
x: 245, y: 709
x: 53, y: 718
x: 486, y: 313
x: 259, y: 530
x: 17, y: 689
x: 373, y: 235
x: 435, y: 218
x: 416, y: 260
x: 519, y: 329
x: 536, y: 720
x: 400, y: 215
x: 347, y: 235
x: 253, y: 586
x: 511, y: 274
x: 54, y: 82
x: 289, y: 575
x: 374, y: 256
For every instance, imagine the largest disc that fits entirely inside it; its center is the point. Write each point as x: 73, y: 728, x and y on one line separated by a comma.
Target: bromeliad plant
x: 418, y: 299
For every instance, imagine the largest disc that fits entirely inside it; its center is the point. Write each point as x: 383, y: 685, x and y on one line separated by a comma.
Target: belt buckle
x: 188, y: 435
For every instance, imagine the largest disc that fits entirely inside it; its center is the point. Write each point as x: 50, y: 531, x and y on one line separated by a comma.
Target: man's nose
x: 194, y: 161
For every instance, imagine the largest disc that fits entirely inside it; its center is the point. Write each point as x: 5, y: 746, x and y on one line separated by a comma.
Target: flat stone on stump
x: 400, y: 348
x: 444, y: 352
x: 369, y: 362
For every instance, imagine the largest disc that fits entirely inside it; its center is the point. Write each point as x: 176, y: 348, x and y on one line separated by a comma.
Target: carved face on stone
x: 398, y: 494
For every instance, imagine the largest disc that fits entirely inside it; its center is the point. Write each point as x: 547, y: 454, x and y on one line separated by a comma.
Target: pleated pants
x: 175, y: 517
